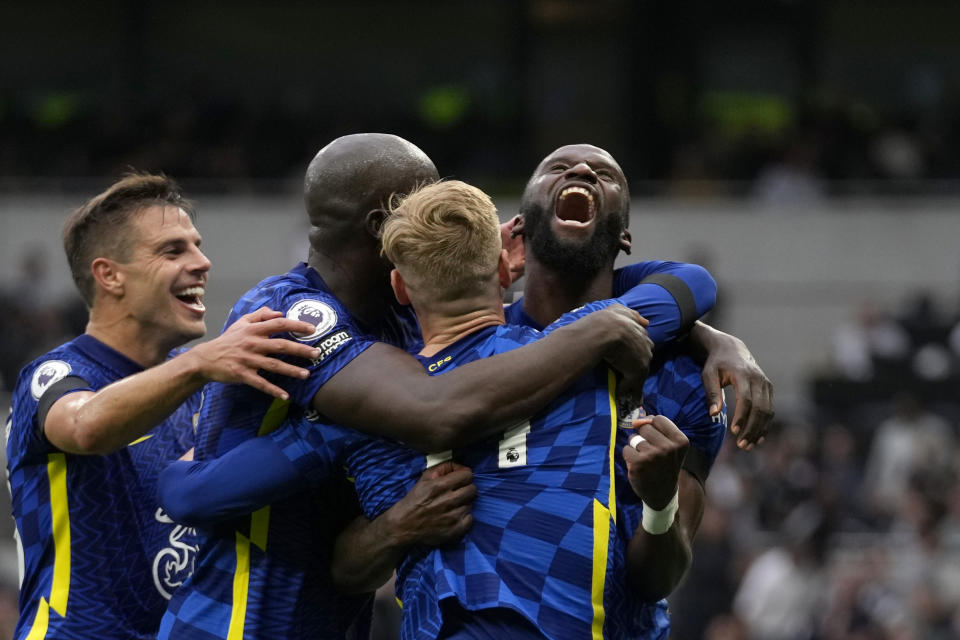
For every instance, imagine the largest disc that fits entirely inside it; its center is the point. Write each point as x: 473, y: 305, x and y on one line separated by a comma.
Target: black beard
x: 571, y: 258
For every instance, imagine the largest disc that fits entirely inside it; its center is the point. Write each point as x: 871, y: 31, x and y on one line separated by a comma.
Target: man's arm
x: 660, y: 551
x: 386, y: 392
x: 100, y: 422
x: 435, y: 511
x: 727, y: 361
x: 258, y: 472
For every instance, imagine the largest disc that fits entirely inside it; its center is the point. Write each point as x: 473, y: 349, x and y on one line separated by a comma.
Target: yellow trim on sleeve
x: 40, y: 621
x: 60, y: 523
x: 259, y: 526
x: 241, y: 585
x: 601, y: 541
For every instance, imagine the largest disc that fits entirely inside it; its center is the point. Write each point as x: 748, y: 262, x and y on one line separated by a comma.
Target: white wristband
x: 657, y: 522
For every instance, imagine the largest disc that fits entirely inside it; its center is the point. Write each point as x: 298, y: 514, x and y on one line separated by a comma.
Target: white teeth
x: 579, y: 190
x: 191, y: 291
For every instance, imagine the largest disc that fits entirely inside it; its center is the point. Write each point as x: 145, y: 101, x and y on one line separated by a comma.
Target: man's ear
x: 625, y: 241
x: 399, y: 288
x: 503, y: 270
x: 516, y: 226
x: 108, y: 276
x: 373, y: 222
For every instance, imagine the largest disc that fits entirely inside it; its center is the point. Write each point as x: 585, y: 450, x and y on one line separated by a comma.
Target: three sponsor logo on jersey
x: 324, y: 319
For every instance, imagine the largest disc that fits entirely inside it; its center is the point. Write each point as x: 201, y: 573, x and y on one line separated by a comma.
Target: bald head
x: 357, y: 173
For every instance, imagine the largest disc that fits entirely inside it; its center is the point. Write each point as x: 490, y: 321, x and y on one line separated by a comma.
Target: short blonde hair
x: 444, y: 239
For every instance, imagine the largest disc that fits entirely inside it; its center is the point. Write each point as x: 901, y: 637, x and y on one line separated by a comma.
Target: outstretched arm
x: 100, y: 422
x: 386, y: 392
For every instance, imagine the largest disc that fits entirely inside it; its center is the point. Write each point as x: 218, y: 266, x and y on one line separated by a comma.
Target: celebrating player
x: 251, y: 578
x: 574, y: 211
x: 94, y: 420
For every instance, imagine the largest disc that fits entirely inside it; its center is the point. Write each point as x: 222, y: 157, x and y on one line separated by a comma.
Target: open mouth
x: 575, y: 205
x: 192, y: 297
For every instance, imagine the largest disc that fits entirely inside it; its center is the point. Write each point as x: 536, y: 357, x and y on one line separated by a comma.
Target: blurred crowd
x: 777, y: 150
x: 843, y: 525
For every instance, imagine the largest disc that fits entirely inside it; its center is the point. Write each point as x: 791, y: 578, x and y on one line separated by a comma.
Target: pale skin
x: 137, y: 311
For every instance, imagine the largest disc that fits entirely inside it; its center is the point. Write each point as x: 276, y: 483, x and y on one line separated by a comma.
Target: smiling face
x: 574, y: 210
x: 165, y: 276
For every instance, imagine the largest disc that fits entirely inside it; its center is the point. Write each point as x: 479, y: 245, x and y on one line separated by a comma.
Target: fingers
x: 276, y: 325
x: 711, y: 384
x: 261, y: 314
x: 755, y: 423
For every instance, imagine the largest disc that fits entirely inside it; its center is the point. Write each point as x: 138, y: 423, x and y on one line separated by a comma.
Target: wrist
x: 658, y: 521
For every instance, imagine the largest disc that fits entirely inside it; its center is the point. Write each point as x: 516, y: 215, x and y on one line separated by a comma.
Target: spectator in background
x: 911, y: 439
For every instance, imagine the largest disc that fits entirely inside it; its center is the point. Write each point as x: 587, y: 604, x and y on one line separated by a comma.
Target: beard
x: 574, y: 258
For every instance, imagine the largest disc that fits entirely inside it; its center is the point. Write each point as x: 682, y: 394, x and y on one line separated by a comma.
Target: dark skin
x: 384, y: 391
x: 657, y: 562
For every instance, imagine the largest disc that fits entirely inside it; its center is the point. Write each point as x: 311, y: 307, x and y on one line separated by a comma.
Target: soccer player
x: 574, y: 215
x: 94, y: 420
x: 546, y: 482
x: 251, y: 578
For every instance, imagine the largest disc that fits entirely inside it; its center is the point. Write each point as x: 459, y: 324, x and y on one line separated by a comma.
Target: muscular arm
x: 386, y: 392
x: 100, y: 422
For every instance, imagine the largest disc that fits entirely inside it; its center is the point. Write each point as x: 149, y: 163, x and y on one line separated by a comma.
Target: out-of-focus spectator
x: 781, y: 594
x: 874, y: 339
x: 911, y: 439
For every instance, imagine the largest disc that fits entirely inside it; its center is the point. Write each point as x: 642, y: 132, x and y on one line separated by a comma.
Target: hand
x: 437, y: 508
x: 246, y: 347
x: 653, y: 464
x: 632, y: 353
x: 511, y: 234
x: 729, y: 362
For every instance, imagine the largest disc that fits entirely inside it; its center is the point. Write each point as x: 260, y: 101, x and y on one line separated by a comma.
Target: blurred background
x: 806, y: 152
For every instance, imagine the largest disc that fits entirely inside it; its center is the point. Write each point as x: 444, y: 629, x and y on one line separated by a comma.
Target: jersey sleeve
x: 690, y: 292
x: 658, y: 304
x: 336, y: 334
x: 253, y: 474
x: 38, y: 389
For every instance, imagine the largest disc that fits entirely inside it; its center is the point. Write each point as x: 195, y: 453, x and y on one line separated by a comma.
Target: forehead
x: 157, y: 222
x: 594, y: 156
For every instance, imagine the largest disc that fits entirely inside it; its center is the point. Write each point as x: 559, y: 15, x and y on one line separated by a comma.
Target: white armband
x: 657, y: 522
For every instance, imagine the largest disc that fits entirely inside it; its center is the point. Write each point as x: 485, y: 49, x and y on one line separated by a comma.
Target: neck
x: 547, y: 295
x: 365, y: 292
x: 442, y: 325
x: 123, y: 333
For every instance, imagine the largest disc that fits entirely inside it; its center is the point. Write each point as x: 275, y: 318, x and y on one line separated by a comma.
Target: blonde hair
x: 444, y: 239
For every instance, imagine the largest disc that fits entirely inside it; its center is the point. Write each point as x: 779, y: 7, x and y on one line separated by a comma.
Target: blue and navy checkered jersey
x: 266, y: 575
x: 673, y: 389
x: 543, y: 519
x: 100, y: 558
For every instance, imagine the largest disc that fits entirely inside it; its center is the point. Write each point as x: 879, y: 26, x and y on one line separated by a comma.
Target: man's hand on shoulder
x: 246, y: 348
x: 630, y: 353
x: 729, y: 362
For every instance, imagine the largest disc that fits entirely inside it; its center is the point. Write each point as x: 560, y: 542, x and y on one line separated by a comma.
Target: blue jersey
x: 311, y: 449
x: 544, y: 518
x: 266, y: 575
x: 100, y: 559
x: 673, y: 389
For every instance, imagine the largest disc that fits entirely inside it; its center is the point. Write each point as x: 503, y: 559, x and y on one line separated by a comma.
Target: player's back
x: 99, y: 557
x: 542, y: 518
